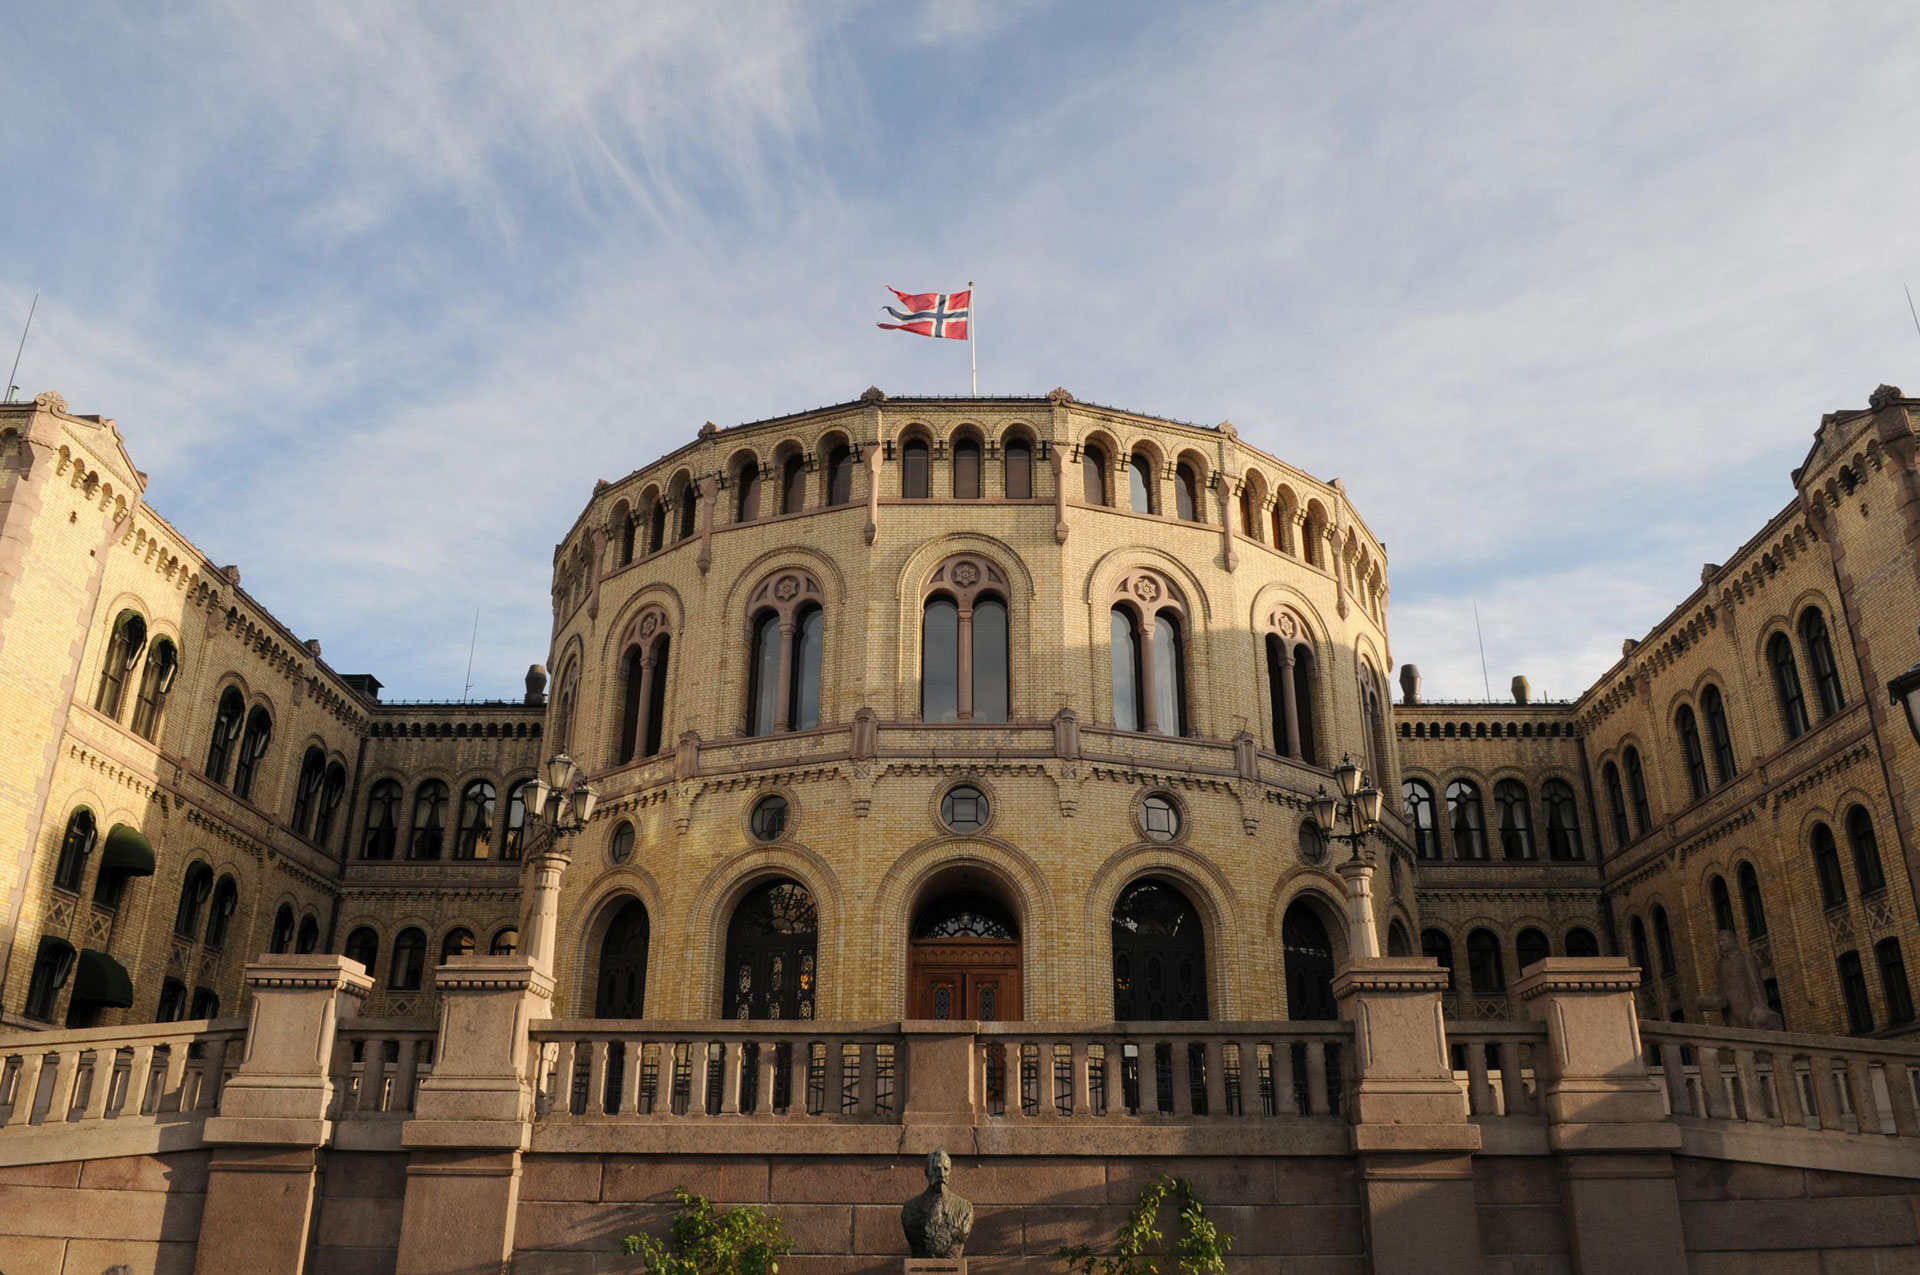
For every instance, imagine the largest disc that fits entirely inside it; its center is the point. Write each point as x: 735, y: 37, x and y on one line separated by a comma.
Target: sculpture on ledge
x: 937, y: 1221
x: 1743, y: 994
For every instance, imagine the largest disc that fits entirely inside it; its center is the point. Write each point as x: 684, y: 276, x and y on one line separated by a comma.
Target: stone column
x: 549, y: 864
x: 1363, y: 937
x: 963, y: 678
x: 472, y: 1118
x: 1289, y: 702
x: 1410, y: 1128
x: 643, y: 707
x: 274, y: 1116
x: 1606, y: 1120
x: 783, y: 682
x: 942, y: 1060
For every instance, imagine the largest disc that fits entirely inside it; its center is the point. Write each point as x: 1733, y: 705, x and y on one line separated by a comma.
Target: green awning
x: 128, y: 852
x: 102, y: 980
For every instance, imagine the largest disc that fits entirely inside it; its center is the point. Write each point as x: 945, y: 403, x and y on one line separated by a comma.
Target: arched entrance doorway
x: 1309, y: 963
x: 771, y: 944
x: 964, y: 960
x: 1159, y: 955
x: 622, y: 989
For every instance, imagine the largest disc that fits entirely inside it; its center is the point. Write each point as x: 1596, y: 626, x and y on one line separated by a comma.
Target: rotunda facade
x: 967, y: 708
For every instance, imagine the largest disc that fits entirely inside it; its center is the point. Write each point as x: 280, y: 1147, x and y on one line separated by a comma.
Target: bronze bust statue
x: 937, y: 1221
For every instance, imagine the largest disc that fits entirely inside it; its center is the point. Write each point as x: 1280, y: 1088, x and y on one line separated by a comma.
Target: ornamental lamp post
x: 563, y: 800
x: 1359, y: 802
x: 1905, y: 691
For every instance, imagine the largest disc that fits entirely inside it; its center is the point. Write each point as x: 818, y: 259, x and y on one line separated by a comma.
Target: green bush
x: 706, y: 1241
x: 1202, y: 1250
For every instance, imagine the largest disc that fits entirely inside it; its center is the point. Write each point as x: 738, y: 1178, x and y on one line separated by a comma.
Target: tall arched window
x: 1436, y: 945
x: 1696, y: 756
x: 965, y: 660
x: 306, y: 790
x: 1866, y: 851
x: 915, y: 469
x: 1637, y: 937
x: 793, y: 484
x: 194, y: 891
x: 1093, y: 474
x: 763, y: 675
x: 688, y: 499
x: 624, y: 526
x: 1721, y: 900
x: 1140, y: 483
x: 1617, y: 805
x: 1018, y: 465
x: 75, y: 848
x: 1291, y: 684
x: 163, y: 661
x: 966, y: 468
x: 622, y: 988
x: 1129, y: 699
x: 333, y: 789
x: 1786, y: 685
x: 253, y: 747
x: 746, y: 478
x: 564, y: 699
x: 1637, y: 789
x: 52, y: 964
x: 513, y: 838
x: 476, y: 820
x: 772, y: 942
x: 363, y: 945
x: 1486, y: 969
x: 1530, y: 947
x: 1663, y: 942
x: 226, y: 729
x: 1563, y: 820
x: 123, y: 652
x: 1186, y: 491
x: 226, y: 898
x: 803, y: 698
x: 1826, y: 670
x: 1516, y: 822
x: 1169, y: 674
x: 1715, y: 709
x: 657, y: 526
x: 308, y: 939
x: 1249, y: 518
x: 787, y: 632
x: 1420, y: 818
x: 840, y: 475
x: 383, y: 821
x: 1853, y: 991
x: 1466, y: 819
x: 1826, y: 866
x: 280, y: 941
x: 429, y: 820
x: 408, y: 967
x: 1398, y: 944
x: 1751, y: 903
x: 1893, y: 982
x: 1283, y: 520
x: 1159, y: 955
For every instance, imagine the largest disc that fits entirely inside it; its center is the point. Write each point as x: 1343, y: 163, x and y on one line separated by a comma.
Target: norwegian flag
x: 937, y: 314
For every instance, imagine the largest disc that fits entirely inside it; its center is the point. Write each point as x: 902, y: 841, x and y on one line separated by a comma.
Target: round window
x: 770, y: 818
x: 964, y: 808
x: 622, y: 848
x: 1313, y: 847
x: 1159, y: 817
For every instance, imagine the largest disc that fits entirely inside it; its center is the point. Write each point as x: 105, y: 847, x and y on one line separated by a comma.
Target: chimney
x: 1409, y: 684
x: 1522, y: 690
x: 536, y: 684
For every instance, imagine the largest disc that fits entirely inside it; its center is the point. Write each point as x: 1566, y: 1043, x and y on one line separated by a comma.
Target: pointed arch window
x: 1516, y: 820
x: 477, y: 803
x: 793, y: 484
x: 123, y: 652
x: 915, y: 469
x: 306, y: 790
x: 1750, y: 901
x: 1420, y: 818
x: 1826, y: 670
x: 1786, y: 686
x: 1093, y: 474
x: 1616, y: 805
x: 840, y: 475
x: 1563, y: 820
x: 226, y: 729
x: 1186, y: 493
x: 156, y: 679
x: 1018, y: 465
x: 966, y: 468
x: 1721, y: 899
x: 1140, y: 483
x: 1466, y: 819
x: 747, y: 490
x: 1826, y: 866
x: 383, y: 821
x: 226, y: 899
x: 1637, y: 788
x: 253, y: 747
x: 194, y: 892
x: 965, y: 660
x: 429, y: 820
x: 1714, y: 707
x: 1689, y: 729
x: 76, y: 847
x: 1866, y: 851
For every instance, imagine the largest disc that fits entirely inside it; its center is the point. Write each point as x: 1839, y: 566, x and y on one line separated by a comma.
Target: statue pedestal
x: 936, y: 1266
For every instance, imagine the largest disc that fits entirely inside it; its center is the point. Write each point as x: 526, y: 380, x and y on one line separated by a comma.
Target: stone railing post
x: 472, y: 1118
x: 274, y: 1116
x: 942, y: 1061
x: 1410, y: 1127
x: 1606, y: 1120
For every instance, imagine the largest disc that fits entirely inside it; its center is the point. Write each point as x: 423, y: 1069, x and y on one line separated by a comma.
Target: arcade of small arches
x: 1469, y: 836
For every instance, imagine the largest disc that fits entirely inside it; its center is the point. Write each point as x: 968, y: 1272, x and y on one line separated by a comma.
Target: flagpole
x: 973, y: 351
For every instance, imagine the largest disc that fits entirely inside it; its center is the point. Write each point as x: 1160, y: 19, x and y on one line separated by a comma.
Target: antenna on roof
x: 25, y: 328
x: 471, y: 643
x: 1910, y: 310
x: 1485, y: 685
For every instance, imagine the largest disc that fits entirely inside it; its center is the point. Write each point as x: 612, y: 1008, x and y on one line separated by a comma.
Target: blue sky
x: 377, y: 291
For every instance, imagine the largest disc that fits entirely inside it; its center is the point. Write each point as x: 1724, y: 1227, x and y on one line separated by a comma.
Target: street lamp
x: 562, y: 799
x: 1359, y: 802
x: 1905, y: 691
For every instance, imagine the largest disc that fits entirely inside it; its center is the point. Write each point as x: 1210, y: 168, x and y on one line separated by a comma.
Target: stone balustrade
x: 378, y: 1064
x: 1787, y: 1080
x: 1494, y: 1063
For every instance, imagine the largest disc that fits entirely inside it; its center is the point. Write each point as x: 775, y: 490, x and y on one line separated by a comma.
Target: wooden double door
x: 964, y: 978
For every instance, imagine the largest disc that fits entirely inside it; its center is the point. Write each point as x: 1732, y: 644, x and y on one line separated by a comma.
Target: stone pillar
x: 1410, y: 1128
x: 1363, y: 937
x: 274, y: 1116
x: 472, y: 1118
x: 1606, y: 1120
x: 941, y: 1082
x: 549, y: 863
